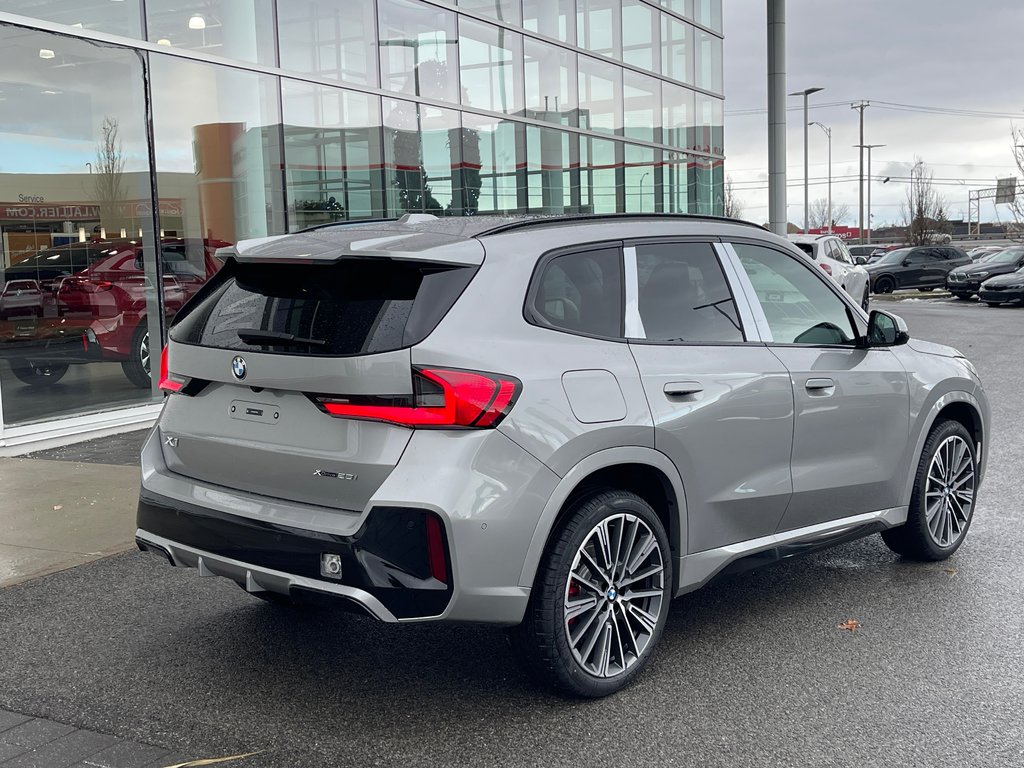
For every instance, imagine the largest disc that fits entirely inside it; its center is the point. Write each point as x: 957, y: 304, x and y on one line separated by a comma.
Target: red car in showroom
x: 99, y: 290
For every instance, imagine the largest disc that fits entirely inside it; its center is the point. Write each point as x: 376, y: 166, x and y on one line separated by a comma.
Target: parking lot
x: 752, y: 670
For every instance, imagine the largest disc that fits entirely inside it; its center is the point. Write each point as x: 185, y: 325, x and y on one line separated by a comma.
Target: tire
x: 948, y: 460
x: 994, y: 303
x: 885, y: 285
x: 616, y: 634
x: 962, y: 296
x: 38, y: 374
x: 136, y: 367
x: 866, y: 300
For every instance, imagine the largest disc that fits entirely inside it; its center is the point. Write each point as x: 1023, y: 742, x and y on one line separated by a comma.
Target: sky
x: 938, y: 54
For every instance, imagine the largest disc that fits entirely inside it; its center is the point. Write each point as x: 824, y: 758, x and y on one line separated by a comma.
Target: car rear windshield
x: 353, y: 307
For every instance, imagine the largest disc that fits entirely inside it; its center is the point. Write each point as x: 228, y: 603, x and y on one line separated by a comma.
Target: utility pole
x: 860, y: 108
x: 869, y: 147
x: 828, y: 132
x: 777, y: 116
x: 805, y: 93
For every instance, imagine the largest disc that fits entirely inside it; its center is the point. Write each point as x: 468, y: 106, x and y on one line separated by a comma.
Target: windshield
x: 1006, y: 256
x: 894, y: 257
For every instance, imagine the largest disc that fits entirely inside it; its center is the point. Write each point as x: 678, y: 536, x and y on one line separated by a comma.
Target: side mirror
x: 860, y: 261
x: 906, y: 262
x: 885, y: 330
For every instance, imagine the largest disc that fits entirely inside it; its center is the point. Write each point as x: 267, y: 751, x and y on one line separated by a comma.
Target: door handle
x: 683, y: 388
x: 816, y: 385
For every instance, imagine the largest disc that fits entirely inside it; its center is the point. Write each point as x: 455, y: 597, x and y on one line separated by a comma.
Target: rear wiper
x: 258, y: 336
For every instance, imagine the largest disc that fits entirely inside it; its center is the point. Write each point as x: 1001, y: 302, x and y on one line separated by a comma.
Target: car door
x: 852, y: 420
x: 721, y: 402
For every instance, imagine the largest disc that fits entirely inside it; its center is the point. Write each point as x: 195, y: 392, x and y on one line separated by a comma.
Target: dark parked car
x: 924, y: 267
x: 963, y: 282
x: 1003, y: 289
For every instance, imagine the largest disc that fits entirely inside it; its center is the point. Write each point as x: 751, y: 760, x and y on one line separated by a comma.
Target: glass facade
x: 187, y: 125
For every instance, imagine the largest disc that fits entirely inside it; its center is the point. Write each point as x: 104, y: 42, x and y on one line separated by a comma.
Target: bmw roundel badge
x: 238, y: 367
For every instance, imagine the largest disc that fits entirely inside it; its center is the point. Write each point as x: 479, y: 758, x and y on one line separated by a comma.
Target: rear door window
x: 354, y: 307
x: 683, y: 295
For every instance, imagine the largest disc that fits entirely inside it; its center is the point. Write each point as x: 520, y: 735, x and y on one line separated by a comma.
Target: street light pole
x: 805, y: 93
x: 868, y: 147
x: 828, y: 132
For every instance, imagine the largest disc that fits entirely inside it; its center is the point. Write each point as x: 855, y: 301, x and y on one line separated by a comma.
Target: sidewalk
x: 31, y: 742
x: 67, y: 506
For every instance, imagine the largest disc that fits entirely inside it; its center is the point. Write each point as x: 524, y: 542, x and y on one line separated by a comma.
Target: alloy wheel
x: 144, y: 352
x: 614, y: 595
x: 949, y: 494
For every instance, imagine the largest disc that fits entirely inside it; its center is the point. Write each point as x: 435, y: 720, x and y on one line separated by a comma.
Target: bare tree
x: 924, y: 210
x: 819, y: 213
x: 732, y: 206
x: 108, y: 178
x: 1016, y: 207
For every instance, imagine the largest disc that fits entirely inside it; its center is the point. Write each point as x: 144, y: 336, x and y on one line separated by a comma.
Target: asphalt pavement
x: 751, y: 671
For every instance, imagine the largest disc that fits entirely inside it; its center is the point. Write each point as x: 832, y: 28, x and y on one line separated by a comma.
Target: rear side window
x: 580, y: 292
x: 354, y: 307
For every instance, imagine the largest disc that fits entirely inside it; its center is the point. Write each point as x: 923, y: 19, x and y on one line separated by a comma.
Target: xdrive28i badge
x: 238, y: 367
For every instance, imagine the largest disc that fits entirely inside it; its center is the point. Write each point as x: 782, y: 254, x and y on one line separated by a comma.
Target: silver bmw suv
x: 556, y: 424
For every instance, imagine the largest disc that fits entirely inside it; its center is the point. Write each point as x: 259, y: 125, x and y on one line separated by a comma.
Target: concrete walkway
x: 59, y: 514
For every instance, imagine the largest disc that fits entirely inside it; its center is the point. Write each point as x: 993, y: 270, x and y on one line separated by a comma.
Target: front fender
x: 610, y: 457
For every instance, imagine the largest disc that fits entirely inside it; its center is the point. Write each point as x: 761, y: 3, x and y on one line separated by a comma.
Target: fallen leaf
x: 211, y: 761
x: 57, y: 507
x: 850, y: 625
x: 950, y: 571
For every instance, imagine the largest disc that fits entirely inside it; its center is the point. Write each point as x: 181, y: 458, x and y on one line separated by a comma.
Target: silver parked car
x: 556, y: 424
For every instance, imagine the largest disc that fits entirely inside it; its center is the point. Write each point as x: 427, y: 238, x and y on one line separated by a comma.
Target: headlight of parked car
x: 981, y: 275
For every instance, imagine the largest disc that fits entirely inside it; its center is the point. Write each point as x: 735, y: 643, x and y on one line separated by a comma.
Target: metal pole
x: 777, y: 116
x: 828, y: 132
x: 869, y: 147
x: 807, y: 202
x: 861, y: 107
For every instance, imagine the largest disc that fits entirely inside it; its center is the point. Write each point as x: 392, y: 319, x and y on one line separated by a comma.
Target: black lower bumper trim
x: 387, y: 557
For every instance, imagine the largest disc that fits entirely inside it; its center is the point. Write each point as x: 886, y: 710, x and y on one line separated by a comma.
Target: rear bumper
x: 384, y: 565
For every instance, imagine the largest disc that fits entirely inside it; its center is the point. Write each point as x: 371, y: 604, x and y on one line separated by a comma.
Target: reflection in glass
x: 708, y: 62
x: 640, y: 179
x: 237, y: 29
x: 77, y: 253
x: 217, y: 143
x: 641, y: 106
x: 423, y: 166
x: 682, y: 7
x: 492, y: 154
x: 552, y: 170
x: 490, y: 65
x: 708, y: 13
x: 708, y: 128
x: 550, y: 83
x: 118, y: 18
x: 640, y: 35
x: 674, y: 194
x: 676, y: 49
x: 329, y: 39
x: 677, y: 114
x: 600, y: 95
x: 600, y: 183
x: 554, y: 18
x: 506, y: 11
x: 599, y: 26
x: 332, y: 155
x: 418, y: 50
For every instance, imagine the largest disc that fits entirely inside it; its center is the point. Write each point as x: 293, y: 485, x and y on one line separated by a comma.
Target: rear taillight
x: 169, y: 382
x: 826, y: 267
x: 442, y: 398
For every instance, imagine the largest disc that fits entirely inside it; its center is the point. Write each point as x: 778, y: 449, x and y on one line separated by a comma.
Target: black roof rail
x: 542, y: 220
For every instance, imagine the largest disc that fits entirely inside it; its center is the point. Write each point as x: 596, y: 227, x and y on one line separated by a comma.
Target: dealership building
x: 139, y: 136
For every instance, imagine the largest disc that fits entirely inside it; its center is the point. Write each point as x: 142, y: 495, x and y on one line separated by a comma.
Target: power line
x: 896, y: 106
